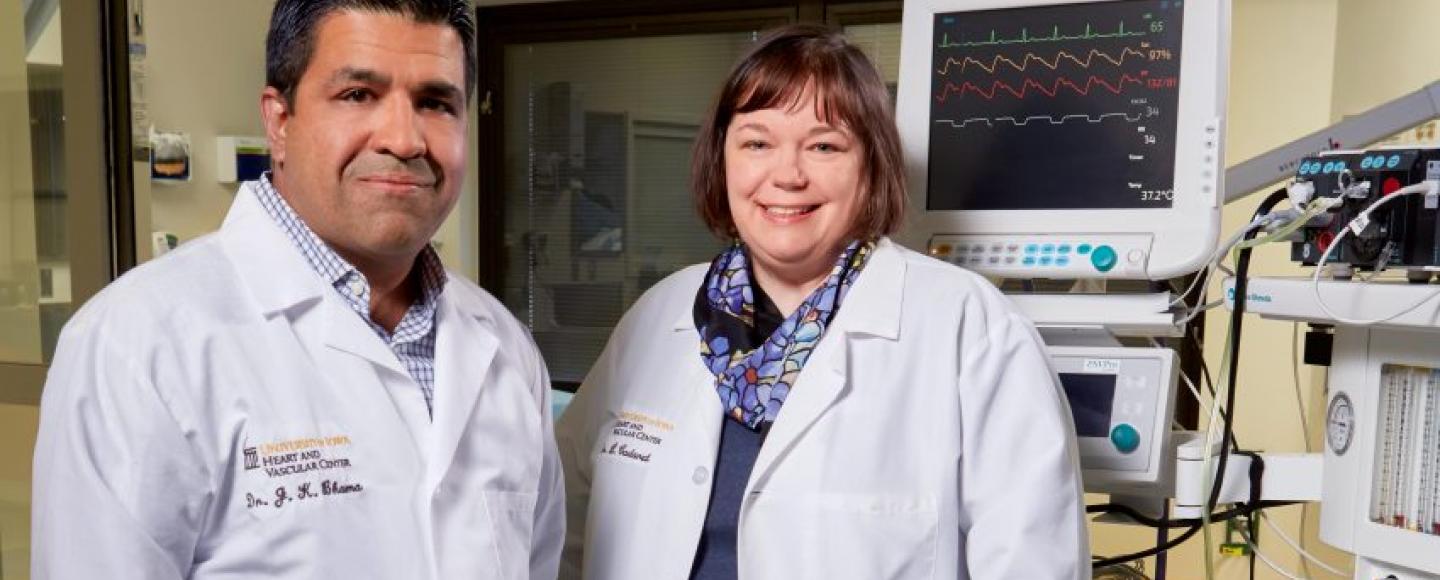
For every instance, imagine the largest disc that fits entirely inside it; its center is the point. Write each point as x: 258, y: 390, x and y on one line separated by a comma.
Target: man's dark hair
x: 291, y: 39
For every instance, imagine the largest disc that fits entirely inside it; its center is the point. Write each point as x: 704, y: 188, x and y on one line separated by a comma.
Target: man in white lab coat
x: 308, y: 393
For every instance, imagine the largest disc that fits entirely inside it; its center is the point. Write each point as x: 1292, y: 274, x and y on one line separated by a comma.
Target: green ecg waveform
x: 1055, y: 36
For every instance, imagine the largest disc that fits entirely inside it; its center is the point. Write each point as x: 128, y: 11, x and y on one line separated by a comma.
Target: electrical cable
x: 1147, y: 521
x: 1204, y: 367
x: 1299, y: 394
x: 1193, y: 524
x: 1257, y: 476
x: 1190, y: 384
x: 1162, y: 535
x: 1167, y: 546
x: 1306, y: 556
x: 1255, y: 551
x: 1194, y: 312
x: 1304, y: 428
x: 1427, y: 188
x: 1195, y: 392
x: 1229, y: 367
x: 1214, y: 260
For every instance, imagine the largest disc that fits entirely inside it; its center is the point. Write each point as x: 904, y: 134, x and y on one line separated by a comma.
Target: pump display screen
x: 1091, y: 399
x: 1055, y: 107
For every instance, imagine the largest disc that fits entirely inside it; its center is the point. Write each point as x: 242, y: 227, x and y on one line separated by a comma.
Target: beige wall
x: 205, y: 80
x: 1385, y: 49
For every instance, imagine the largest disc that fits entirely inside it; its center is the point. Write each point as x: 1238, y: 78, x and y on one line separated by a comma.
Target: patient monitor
x: 1064, y: 139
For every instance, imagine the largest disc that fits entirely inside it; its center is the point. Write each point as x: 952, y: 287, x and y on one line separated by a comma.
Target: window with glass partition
x: 55, y: 203
x: 595, y: 120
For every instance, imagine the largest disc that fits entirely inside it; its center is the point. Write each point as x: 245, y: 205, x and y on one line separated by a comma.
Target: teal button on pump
x: 1125, y: 438
x: 1103, y: 258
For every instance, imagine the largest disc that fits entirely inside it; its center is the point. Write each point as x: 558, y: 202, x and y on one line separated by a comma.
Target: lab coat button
x: 701, y: 476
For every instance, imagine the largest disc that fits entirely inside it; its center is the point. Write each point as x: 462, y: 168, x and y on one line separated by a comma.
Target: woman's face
x: 794, y: 186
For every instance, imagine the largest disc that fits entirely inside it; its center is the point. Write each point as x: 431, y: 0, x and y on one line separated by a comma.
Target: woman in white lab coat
x: 818, y: 402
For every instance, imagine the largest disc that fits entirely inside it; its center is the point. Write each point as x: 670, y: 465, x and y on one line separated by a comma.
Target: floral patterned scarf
x: 753, y: 380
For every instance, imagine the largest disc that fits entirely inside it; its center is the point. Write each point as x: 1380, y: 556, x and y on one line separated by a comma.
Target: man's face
x: 371, y: 152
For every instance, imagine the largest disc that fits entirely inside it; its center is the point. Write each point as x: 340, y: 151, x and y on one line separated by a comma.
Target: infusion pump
x: 1121, y: 400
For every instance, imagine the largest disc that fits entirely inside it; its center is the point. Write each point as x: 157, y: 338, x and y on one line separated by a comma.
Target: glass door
x: 54, y: 220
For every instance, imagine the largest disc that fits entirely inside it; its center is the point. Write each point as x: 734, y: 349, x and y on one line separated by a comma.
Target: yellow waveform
x: 1052, y: 64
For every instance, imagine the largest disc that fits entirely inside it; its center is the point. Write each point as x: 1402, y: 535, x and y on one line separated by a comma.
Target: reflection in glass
x: 34, y: 267
x: 35, y: 298
x: 598, y: 206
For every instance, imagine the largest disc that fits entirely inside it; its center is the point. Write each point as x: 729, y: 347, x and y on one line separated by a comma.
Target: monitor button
x: 1125, y: 438
x: 1103, y: 258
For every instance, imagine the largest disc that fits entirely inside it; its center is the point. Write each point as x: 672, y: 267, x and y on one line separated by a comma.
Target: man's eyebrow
x: 441, y: 89
x: 362, y: 75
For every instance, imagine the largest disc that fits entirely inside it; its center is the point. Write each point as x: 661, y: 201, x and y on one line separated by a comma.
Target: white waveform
x: 1051, y: 119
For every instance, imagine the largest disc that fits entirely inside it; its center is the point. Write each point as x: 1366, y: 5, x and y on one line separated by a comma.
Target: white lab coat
x: 176, y: 391
x: 926, y: 437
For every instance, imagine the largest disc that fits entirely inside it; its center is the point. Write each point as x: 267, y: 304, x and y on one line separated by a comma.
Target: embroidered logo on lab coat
x: 634, y: 436
x: 294, y: 470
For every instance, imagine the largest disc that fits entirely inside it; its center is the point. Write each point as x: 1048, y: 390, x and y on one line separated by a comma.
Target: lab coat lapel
x: 346, y: 331
x: 464, y: 351
x: 871, y: 308
x: 819, y: 385
x: 283, y: 284
x: 268, y: 264
x: 346, y: 337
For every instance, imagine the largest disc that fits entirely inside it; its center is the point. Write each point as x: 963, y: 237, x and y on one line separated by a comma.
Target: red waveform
x: 997, y: 86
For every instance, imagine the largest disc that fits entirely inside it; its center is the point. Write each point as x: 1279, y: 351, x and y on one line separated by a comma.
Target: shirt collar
x: 335, y: 269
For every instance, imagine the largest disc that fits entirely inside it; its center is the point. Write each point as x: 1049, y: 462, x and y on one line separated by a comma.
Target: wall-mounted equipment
x: 241, y: 158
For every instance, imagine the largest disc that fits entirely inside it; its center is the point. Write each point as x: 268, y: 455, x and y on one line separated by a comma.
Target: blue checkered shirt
x: 413, y: 341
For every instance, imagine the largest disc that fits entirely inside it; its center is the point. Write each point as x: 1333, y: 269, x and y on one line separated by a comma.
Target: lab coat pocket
x: 841, y: 535
x: 512, y: 524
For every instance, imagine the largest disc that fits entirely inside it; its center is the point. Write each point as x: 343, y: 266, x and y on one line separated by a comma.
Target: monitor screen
x: 1069, y: 106
x: 1091, y: 399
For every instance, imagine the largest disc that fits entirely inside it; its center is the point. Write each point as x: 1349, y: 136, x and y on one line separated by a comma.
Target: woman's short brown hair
x: 847, y: 88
